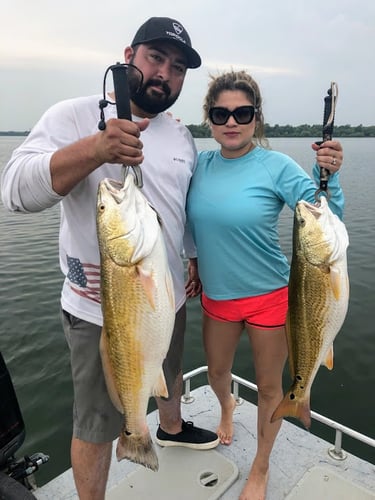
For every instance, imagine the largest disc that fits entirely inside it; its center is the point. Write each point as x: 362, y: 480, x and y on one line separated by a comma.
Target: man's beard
x: 148, y: 100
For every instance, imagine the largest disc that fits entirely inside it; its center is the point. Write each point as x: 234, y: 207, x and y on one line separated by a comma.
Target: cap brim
x: 193, y: 58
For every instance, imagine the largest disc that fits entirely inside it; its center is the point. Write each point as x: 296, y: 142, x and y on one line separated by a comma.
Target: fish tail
x: 291, y: 407
x: 137, y: 448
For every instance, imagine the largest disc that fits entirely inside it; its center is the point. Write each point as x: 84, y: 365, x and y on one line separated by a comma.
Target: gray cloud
x: 51, y: 51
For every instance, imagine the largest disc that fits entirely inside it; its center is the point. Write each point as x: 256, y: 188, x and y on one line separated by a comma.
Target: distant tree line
x: 14, y: 133
x: 202, y: 131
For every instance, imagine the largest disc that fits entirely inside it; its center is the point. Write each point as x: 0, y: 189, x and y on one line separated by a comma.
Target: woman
x: 234, y: 203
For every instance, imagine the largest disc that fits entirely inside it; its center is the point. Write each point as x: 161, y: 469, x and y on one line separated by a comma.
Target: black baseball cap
x: 165, y: 28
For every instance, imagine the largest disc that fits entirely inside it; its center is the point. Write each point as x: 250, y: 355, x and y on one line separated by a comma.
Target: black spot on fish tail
x: 299, y: 379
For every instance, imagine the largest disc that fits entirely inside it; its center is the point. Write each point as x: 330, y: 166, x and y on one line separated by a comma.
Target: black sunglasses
x: 243, y: 115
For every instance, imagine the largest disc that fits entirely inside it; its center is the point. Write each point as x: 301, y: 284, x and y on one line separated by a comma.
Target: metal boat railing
x: 336, y: 452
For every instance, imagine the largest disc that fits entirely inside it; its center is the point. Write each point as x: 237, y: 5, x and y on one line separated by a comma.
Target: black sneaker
x: 189, y: 437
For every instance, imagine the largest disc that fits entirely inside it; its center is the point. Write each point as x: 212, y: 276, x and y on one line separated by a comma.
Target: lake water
x: 33, y: 344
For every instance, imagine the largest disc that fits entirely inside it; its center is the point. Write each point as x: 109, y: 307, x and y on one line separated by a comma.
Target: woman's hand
x: 193, y: 286
x: 329, y: 155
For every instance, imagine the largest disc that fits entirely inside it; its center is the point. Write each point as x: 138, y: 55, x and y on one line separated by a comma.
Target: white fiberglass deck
x: 301, y: 468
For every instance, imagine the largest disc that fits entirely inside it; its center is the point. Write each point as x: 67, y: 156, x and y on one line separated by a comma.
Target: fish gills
x: 318, y: 302
x: 138, y: 311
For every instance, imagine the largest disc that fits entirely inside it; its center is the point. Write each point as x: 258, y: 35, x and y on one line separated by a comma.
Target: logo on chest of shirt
x: 179, y: 160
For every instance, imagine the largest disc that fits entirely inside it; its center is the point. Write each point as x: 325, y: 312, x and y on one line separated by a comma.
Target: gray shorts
x: 95, y: 419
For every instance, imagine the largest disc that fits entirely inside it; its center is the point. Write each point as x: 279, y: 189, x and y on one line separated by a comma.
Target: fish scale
x: 125, y: 349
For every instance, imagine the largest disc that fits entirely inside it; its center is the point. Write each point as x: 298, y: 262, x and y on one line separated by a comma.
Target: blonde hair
x: 237, y: 80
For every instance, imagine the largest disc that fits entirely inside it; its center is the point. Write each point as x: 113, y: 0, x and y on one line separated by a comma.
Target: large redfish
x: 318, y: 301
x: 138, y: 310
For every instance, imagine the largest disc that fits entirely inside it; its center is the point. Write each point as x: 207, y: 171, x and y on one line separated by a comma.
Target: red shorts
x: 263, y: 311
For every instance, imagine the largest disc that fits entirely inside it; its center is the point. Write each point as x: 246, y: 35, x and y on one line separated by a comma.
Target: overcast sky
x: 52, y: 50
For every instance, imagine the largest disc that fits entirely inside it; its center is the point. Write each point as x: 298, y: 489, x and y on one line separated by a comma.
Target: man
x: 63, y: 160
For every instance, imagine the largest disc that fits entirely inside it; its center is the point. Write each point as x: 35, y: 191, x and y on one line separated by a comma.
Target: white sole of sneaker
x: 193, y: 446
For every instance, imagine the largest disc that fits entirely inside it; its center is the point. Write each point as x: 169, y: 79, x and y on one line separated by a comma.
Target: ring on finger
x: 334, y: 161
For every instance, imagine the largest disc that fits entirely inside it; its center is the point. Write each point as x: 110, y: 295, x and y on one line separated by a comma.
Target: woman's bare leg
x: 220, y: 340
x: 270, y: 353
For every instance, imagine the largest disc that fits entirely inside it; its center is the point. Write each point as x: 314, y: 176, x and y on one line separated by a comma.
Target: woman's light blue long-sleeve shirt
x: 233, y: 208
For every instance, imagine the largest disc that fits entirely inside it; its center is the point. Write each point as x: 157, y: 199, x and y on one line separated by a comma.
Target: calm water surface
x: 33, y: 344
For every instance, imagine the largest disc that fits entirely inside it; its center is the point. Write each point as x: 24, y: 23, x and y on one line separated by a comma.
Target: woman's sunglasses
x: 243, y: 115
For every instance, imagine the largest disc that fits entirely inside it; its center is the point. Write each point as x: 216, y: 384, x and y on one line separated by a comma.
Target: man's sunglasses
x: 243, y: 115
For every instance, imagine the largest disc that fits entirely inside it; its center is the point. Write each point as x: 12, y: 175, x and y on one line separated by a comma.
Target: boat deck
x: 301, y: 467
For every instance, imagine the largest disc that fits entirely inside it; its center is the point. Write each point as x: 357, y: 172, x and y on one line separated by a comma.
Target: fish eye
x: 102, y: 207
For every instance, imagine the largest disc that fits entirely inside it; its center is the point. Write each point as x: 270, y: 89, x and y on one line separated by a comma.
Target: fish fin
x: 148, y: 285
x: 328, y: 361
x: 335, y: 282
x: 160, y: 388
x: 170, y: 291
x: 137, y: 448
x: 291, y: 407
x: 108, y: 372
